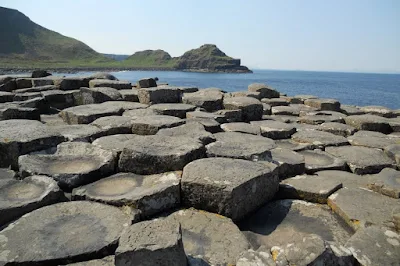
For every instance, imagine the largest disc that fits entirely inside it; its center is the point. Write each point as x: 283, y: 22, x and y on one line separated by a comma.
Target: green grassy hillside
x: 150, y: 58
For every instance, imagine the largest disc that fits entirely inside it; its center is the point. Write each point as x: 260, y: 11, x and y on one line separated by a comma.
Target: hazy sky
x: 340, y: 35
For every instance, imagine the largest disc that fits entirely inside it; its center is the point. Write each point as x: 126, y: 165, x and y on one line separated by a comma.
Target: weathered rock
x: 209, y: 238
x: 372, y: 139
x: 102, y: 75
x: 211, y: 125
x: 252, y: 109
x: 18, y: 197
x: 139, y: 113
x: 40, y: 74
x: 206, y: 115
x: 173, y: 109
x: 159, y: 95
x: 7, y: 83
x: 315, y: 189
x: 369, y: 122
x: 378, y: 110
x: 231, y: 115
x: 293, y: 145
x: 191, y: 130
x: 23, y: 83
x: 275, y: 102
x: 18, y: 137
x: 38, y: 89
x: 351, y: 110
x: 158, y: 154
x: 218, y: 185
x: 394, y: 123
x: 112, y: 125
x: 146, y: 83
x: 209, y: 99
x: 99, y: 95
x: 106, y: 261
x: 72, y: 83
x: 12, y: 111
x: 285, y: 110
x: 36, y: 82
x: 115, y: 84
x: 150, y: 125
x: 264, y: 90
x: 240, y: 146
x: 148, y: 194
x: 320, y: 139
x: 260, y: 257
x: 393, y: 151
x: 251, y: 94
x: 387, y: 182
x: 241, y: 128
x: 6, y: 175
x: 26, y: 96
x: 362, y: 160
x: 114, y: 143
x: 56, y: 232
x: 6, y: 97
x: 129, y: 95
x: 289, y: 163
x: 156, y: 242
x: 86, y: 114
x: 38, y: 103
x: 274, y: 129
x: 299, y: 99
x: 321, y: 118
x: 73, y: 164
x: 59, y: 99
x: 348, y: 180
x: 318, y: 160
x: 337, y: 129
x: 266, y: 109
x: 360, y: 208
x: 324, y: 104
x: 384, y: 252
x: 284, y: 222
x: 83, y: 133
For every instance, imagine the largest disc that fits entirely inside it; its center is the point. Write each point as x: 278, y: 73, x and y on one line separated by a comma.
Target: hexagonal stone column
x: 324, y: 104
x: 192, y: 130
x: 318, y: 160
x: 264, y: 90
x: 320, y: 139
x: 154, y: 242
x: 150, y: 125
x: 149, y: 194
x: 57, y: 233
x: 157, y: 154
x: 73, y: 164
x: 230, y: 187
x: 18, y: 197
x: 252, y: 109
x: 173, y: 109
x: 159, y: 95
x: 274, y: 129
x: 369, y: 122
x: 116, y: 84
x: 85, y: 114
x: 209, y: 99
x: 18, y: 137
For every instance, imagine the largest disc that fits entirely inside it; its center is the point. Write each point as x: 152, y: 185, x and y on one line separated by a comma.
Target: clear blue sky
x: 341, y: 35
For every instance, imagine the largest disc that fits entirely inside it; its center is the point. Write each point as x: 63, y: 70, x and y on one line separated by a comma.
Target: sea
x: 359, y: 89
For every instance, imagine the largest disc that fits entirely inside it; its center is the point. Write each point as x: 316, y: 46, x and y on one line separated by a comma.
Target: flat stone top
x: 312, y: 184
x: 366, y: 118
x: 112, y: 121
x: 114, y: 143
x: 139, y: 112
x: 193, y: 130
x: 258, y: 86
x: 360, y: 155
x: 21, y: 130
x: 241, y: 101
x: 315, y: 158
x: 125, y: 105
x: 172, y: 106
x: 90, y: 109
x: 321, y: 100
x: 336, y: 125
x: 225, y: 172
x: 241, y: 127
x: 128, y: 186
x: 242, y: 138
x: 157, y: 120
x: 282, y: 155
x: 271, y: 125
x: 56, y: 232
x: 347, y: 179
x: 319, y: 138
x: 157, y: 145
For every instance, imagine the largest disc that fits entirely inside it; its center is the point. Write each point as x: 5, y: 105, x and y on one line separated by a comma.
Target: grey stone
x: 252, y: 109
x: 231, y: 115
x: 158, y: 154
x: 125, y: 106
x: 315, y: 189
x: 106, y: 261
x: 218, y: 185
x: 150, y: 125
x: 275, y: 102
x: 159, y: 95
x: 52, y: 120
x: 320, y: 118
x: 6, y: 175
x: 369, y: 122
x: 56, y: 232
x: 115, y: 84
x: 73, y: 164
x: 23, y: 83
x: 251, y: 94
x: 324, y: 104
x: 360, y: 208
x: 266, y: 109
x: 83, y: 133
x: 129, y: 95
x: 12, y: 111
x: 173, y: 109
x: 72, y: 83
x: 38, y: 103
x: 37, y: 82
x: 38, y: 89
x: 210, y: 239
x: 348, y: 180
x: 293, y: 145
x: 264, y: 90
x: 393, y: 151
x: 372, y: 139
x: 299, y: 99
x: 149, y: 194
x: 59, y: 99
x: 274, y: 129
x: 102, y: 75
x: 289, y: 163
x: 192, y: 130
x: 7, y: 83
x: 284, y: 222
x: 240, y: 146
x: 26, y: 96
x: 378, y: 110
x: 85, y: 114
x: 337, y: 129
x: 146, y: 83
x: 211, y: 125
x: 318, y: 160
x: 394, y: 123
x: 18, y: 137
x: 241, y: 128
x: 362, y: 160
x: 319, y: 138
x: 18, y: 197
x: 114, y: 143
x: 112, y: 125
x: 351, y: 110
x: 99, y: 95
x: 139, y: 112
x: 40, y: 74
x: 373, y: 246
x: 387, y: 182
x: 209, y: 99
x: 260, y: 257
x: 206, y: 115
x: 6, y: 97
x: 155, y: 242
x: 285, y: 110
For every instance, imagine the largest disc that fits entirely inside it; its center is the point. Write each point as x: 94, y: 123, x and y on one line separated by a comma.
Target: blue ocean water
x: 349, y: 88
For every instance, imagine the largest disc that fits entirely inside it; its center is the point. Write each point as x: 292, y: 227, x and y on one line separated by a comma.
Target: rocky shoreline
x: 98, y: 171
